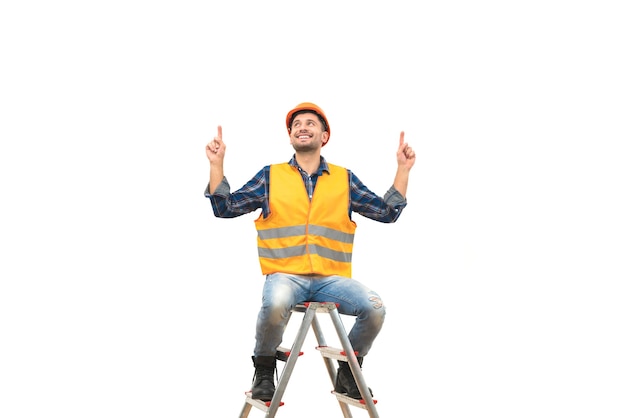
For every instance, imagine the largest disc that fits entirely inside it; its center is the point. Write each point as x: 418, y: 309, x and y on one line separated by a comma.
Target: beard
x: 305, y: 148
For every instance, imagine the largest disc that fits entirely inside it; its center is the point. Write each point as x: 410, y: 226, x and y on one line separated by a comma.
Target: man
x: 305, y: 235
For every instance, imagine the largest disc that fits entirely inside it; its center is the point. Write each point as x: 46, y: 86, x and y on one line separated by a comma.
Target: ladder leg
x: 330, y: 366
x: 353, y: 362
x: 291, y: 362
x: 245, y: 410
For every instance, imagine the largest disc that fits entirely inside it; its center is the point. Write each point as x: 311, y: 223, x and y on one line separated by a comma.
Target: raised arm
x: 215, y: 151
x: 406, y: 159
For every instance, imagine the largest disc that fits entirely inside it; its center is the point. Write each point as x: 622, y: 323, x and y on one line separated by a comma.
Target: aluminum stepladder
x: 290, y: 356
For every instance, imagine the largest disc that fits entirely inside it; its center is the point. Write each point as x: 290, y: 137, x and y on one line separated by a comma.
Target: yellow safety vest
x: 302, y: 236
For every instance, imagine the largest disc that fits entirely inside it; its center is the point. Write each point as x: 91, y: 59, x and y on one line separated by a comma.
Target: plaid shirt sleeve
x: 367, y: 203
x: 250, y: 197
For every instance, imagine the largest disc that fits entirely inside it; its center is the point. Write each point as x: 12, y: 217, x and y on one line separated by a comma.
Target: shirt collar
x: 322, y: 168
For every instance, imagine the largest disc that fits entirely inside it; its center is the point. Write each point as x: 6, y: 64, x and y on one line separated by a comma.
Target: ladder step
x: 359, y: 403
x: 334, y: 353
x: 322, y: 307
x: 259, y: 404
x: 283, y: 353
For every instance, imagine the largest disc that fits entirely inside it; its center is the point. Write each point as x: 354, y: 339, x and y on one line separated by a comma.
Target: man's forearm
x: 216, y: 177
x: 401, y: 181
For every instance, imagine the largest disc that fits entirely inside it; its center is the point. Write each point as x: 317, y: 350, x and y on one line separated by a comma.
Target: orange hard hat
x: 313, y: 108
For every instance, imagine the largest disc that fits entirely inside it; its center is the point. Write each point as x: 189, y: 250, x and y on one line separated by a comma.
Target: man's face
x: 307, y: 132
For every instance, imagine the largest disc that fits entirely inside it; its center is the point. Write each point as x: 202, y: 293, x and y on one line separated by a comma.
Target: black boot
x: 345, y: 383
x: 263, y: 386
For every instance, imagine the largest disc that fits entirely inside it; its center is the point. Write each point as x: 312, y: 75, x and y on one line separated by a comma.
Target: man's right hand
x: 216, y: 149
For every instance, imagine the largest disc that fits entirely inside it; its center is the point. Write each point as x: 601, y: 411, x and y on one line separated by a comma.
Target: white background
x: 123, y: 296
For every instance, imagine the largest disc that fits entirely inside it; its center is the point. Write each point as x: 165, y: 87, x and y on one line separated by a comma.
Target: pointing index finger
x: 401, y: 138
x: 219, y: 131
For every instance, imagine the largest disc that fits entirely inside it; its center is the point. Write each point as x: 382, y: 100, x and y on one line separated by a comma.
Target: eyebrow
x: 306, y: 120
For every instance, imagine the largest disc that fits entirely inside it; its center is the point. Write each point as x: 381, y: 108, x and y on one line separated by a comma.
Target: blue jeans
x: 282, y: 292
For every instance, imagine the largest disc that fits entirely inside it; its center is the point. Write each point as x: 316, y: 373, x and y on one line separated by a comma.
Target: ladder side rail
x: 291, y: 362
x: 330, y: 367
x: 354, y: 364
x: 245, y: 410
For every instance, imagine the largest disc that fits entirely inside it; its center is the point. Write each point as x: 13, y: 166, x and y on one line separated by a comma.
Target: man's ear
x: 325, y: 137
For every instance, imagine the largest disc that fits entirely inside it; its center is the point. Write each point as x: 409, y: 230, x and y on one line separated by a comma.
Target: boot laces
x: 262, y: 373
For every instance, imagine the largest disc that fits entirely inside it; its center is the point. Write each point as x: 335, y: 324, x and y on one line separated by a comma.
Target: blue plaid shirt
x: 255, y: 194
